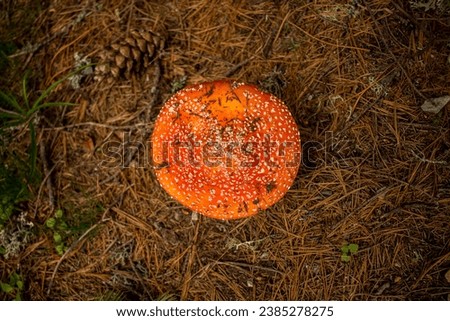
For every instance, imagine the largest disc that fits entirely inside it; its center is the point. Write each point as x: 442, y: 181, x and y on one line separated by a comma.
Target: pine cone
x: 130, y: 55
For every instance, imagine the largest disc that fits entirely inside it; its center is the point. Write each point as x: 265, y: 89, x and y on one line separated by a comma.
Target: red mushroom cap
x: 225, y: 149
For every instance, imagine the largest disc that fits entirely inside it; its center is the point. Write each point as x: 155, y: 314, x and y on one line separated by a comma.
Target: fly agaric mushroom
x: 225, y: 149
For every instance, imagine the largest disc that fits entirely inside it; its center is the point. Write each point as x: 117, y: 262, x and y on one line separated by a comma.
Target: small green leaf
x: 344, y: 249
x: 353, y: 248
x: 345, y: 258
x: 13, y: 278
x: 6, y: 287
x: 50, y: 223
x: 18, y: 296
x: 5, y: 213
x: 63, y: 226
x: 57, y: 237
x: 60, y: 248
x: 19, y: 284
x: 59, y: 213
x: 2, y: 250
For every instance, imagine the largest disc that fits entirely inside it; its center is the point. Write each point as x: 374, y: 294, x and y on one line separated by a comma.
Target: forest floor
x: 375, y: 174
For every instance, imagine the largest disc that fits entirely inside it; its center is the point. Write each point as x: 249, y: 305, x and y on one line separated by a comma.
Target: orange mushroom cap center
x: 225, y: 149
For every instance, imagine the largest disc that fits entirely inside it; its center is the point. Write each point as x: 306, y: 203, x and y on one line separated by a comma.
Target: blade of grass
x: 11, y: 101
x: 51, y: 104
x: 24, y: 91
x: 33, y: 150
x: 11, y: 124
x: 50, y: 88
x: 9, y: 114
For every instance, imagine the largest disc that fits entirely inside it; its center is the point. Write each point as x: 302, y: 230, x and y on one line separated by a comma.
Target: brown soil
x: 375, y: 168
